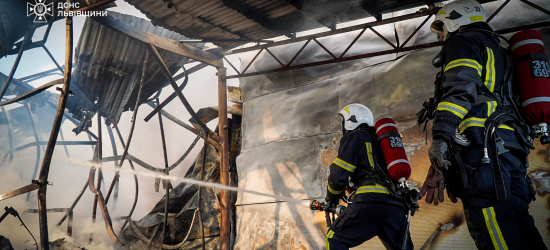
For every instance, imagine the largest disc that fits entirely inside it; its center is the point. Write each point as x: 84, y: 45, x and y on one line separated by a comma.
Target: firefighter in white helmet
x: 477, y: 139
x: 376, y: 209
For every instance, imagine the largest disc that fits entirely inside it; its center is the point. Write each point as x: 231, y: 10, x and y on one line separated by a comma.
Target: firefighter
x: 474, y: 103
x: 374, y: 210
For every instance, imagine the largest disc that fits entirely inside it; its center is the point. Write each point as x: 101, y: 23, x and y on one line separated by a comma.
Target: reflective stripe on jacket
x: 472, y: 59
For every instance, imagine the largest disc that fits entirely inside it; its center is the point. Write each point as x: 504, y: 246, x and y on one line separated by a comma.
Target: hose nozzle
x: 322, y: 206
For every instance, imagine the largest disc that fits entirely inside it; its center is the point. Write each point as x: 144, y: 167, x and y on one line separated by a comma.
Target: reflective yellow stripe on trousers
x: 494, y: 229
x: 329, y: 236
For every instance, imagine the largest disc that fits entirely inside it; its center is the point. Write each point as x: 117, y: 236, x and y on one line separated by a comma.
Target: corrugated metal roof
x: 261, y: 19
x: 205, y: 19
x: 108, y: 69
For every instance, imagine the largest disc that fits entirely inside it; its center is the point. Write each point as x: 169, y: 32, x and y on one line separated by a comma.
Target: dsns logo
x: 40, y: 10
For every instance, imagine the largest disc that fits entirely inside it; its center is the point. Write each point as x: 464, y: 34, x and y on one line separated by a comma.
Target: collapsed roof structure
x: 122, y: 62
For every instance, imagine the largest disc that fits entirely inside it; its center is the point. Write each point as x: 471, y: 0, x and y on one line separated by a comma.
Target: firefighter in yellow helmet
x: 479, y: 144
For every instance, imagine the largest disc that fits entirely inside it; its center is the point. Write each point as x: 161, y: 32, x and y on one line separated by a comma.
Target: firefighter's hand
x: 332, y: 199
x: 434, y: 186
x: 438, y: 154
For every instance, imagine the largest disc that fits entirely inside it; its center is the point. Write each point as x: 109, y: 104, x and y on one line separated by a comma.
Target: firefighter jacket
x: 355, y: 164
x: 471, y: 59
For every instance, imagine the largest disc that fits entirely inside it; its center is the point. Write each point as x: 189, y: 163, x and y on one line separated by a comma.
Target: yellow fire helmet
x: 456, y: 14
x: 356, y: 114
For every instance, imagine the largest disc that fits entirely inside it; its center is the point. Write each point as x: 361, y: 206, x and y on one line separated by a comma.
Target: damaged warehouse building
x: 153, y: 153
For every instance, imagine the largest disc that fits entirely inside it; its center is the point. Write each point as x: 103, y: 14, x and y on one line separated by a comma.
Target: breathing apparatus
x: 532, y: 72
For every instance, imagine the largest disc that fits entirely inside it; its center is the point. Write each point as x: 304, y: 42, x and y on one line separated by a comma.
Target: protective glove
x: 332, y: 199
x: 434, y: 185
x: 438, y: 154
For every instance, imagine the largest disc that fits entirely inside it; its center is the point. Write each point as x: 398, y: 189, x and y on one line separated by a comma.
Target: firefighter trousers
x: 503, y: 224
x: 362, y: 221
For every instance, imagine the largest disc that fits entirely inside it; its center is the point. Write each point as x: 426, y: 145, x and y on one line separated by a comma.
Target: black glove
x: 332, y: 199
x: 434, y: 185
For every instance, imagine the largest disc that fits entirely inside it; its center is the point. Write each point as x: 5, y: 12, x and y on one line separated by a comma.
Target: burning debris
x: 454, y: 222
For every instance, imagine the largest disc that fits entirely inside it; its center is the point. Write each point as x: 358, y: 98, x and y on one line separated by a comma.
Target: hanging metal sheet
x: 108, y: 65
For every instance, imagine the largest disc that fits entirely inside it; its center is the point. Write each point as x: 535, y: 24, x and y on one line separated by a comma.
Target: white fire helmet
x: 356, y: 114
x: 456, y: 14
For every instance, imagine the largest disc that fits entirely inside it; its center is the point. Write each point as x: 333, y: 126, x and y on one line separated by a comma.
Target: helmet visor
x: 437, y: 27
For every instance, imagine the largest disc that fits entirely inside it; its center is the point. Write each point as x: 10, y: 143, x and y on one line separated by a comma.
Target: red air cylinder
x: 392, y: 147
x: 533, y: 75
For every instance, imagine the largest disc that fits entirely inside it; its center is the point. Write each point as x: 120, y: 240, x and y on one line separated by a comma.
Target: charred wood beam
x: 337, y: 31
x: 45, y: 169
x: 161, y: 42
x: 225, y: 225
x: 199, y: 206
